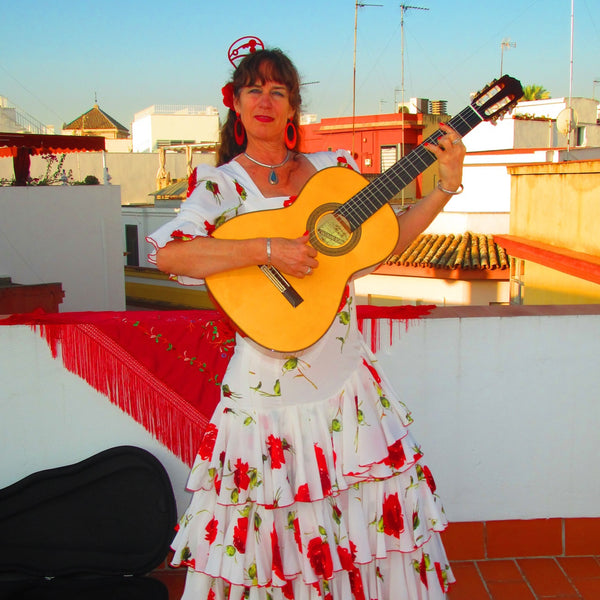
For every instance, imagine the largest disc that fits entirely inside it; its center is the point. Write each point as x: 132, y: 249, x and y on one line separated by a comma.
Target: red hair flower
x: 227, y: 91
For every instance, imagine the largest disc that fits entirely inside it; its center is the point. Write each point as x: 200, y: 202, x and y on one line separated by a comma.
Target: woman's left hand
x: 450, y: 152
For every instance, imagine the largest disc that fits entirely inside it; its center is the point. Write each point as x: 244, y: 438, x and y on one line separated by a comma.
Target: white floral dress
x: 308, y: 483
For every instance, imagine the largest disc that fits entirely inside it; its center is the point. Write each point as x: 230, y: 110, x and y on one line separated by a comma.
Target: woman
x: 308, y: 483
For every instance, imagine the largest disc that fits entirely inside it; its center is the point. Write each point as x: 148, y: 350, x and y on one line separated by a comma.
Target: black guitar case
x: 87, y: 531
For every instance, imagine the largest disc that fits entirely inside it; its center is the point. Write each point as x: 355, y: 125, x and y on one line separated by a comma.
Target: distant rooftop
x: 462, y: 251
x: 176, y: 109
x: 95, y: 119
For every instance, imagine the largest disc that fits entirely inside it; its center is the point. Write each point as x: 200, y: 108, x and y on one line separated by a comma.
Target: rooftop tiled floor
x: 547, y: 578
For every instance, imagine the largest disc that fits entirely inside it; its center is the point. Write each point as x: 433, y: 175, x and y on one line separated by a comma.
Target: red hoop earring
x: 238, y: 131
x: 291, y: 135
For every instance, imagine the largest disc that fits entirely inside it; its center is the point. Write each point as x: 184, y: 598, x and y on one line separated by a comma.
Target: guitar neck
x: 371, y: 198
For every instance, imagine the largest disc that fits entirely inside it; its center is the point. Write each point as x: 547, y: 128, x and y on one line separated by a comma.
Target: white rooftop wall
x: 154, y: 124
x: 66, y: 234
x: 505, y: 408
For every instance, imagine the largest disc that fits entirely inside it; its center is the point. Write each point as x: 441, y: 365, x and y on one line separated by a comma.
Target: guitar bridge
x: 282, y: 284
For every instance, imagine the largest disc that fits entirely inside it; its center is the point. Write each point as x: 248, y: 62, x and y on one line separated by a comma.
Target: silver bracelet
x: 454, y: 193
x: 269, y: 251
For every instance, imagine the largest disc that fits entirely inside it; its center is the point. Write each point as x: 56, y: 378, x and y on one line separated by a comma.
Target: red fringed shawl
x: 164, y: 368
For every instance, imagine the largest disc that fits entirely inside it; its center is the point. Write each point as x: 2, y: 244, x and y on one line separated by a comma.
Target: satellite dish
x: 566, y: 121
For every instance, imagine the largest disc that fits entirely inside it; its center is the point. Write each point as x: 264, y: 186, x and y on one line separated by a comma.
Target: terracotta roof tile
x: 460, y: 251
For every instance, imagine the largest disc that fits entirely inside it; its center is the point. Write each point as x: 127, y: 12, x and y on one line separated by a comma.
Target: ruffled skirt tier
x: 320, y: 499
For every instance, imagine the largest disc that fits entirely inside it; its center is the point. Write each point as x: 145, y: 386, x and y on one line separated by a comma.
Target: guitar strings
x: 370, y: 199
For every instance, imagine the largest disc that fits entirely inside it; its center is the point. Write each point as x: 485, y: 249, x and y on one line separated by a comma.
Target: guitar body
x: 257, y: 305
x: 352, y: 227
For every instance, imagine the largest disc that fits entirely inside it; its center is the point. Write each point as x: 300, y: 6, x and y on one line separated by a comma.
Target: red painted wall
x: 365, y: 138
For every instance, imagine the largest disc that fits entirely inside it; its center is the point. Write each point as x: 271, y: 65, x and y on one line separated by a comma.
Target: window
x: 131, y: 245
x: 389, y: 157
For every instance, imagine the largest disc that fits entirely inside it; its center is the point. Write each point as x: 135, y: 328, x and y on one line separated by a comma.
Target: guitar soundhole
x: 331, y: 234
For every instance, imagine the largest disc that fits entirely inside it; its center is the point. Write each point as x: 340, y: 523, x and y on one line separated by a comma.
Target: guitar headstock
x: 497, y: 98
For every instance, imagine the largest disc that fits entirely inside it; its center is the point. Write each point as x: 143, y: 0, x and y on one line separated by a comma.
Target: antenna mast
x: 505, y: 44
x: 356, y: 5
x: 571, y: 81
x: 403, y: 9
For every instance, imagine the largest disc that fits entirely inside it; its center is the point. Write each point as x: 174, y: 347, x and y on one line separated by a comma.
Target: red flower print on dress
x: 303, y: 495
x: 342, y: 161
x: 356, y: 584
x: 429, y: 478
x: 373, y: 371
x: 323, y: 471
x: 346, y: 558
x: 288, y: 591
x: 276, y: 451
x: 192, y: 182
x: 397, y: 457
x: 319, y: 556
x: 208, y: 441
x: 297, y: 537
x: 442, y: 577
x: 182, y: 237
x: 210, y: 228
x: 240, y: 532
x: 211, y: 530
x: 213, y: 187
x: 393, y: 523
x: 240, y: 190
x: 289, y: 201
x: 276, y: 554
x: 423, y: 570
x: 344, y: 299
x: 241, y: 479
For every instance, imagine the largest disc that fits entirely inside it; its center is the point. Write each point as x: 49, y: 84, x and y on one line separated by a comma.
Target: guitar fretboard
x: 371, y: 198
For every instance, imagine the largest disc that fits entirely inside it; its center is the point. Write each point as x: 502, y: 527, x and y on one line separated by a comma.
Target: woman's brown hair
x: 261, y: 66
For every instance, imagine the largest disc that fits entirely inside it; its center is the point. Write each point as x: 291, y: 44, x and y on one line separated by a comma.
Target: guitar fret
x: 371, y: 198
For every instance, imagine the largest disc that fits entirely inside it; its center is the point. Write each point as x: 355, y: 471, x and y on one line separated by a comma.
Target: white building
x: 169, y: 124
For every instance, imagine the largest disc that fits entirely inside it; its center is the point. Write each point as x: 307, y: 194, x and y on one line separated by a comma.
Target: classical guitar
x: 350, y: 224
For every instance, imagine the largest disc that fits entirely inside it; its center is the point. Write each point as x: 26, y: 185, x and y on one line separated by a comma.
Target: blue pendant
x: 273, y: 179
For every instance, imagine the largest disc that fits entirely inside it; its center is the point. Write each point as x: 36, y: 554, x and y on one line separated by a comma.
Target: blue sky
x: 55, y: 57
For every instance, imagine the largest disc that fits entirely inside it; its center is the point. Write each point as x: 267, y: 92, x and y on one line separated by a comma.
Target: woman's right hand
x: 293, y: 256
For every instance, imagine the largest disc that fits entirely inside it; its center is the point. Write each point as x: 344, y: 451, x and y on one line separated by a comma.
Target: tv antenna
x: 403, y: 9
x: 356, y: 7
x: 505, y: 44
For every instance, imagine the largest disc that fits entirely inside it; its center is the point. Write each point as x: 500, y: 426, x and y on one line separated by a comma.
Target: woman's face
x: 264, y: 109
